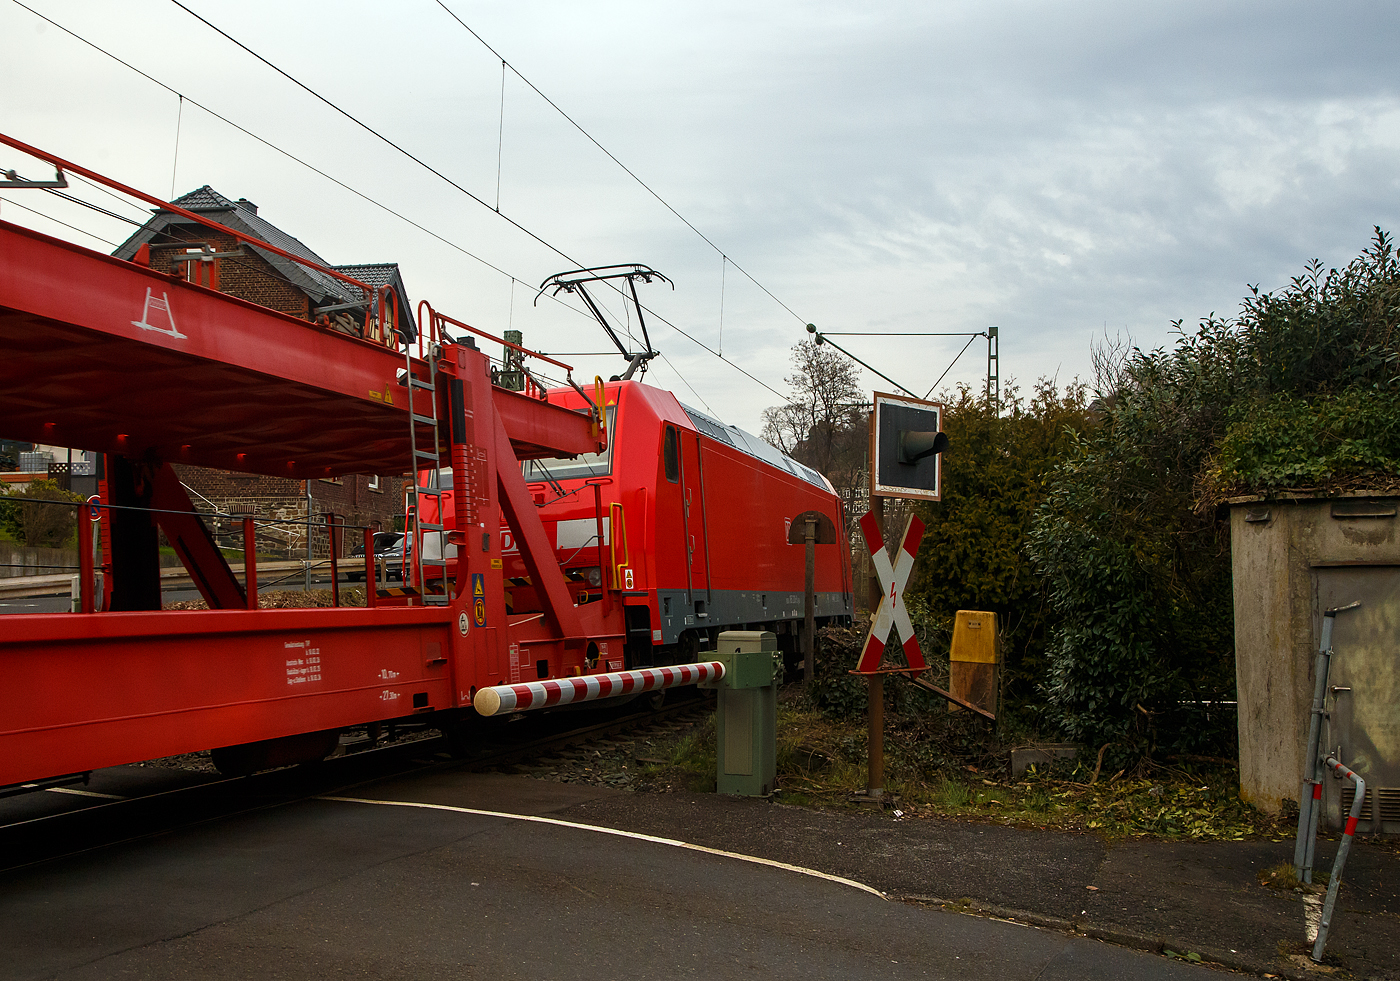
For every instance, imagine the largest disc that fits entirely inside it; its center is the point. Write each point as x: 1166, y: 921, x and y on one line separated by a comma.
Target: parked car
x: 388, y: 551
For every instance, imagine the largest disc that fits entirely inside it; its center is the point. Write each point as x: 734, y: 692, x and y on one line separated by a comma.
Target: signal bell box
x: 906, y: 446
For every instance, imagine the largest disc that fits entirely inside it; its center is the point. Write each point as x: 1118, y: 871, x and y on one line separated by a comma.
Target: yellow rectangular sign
x: 974, y: 637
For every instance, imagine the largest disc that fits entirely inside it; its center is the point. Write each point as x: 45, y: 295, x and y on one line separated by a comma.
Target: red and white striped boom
x: 544, y: 694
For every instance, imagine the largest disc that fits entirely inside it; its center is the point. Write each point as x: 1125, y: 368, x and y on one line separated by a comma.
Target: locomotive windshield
x: 571, y: 468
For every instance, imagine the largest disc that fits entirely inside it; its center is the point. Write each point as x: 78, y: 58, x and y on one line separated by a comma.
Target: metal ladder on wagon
x: 422, y: 459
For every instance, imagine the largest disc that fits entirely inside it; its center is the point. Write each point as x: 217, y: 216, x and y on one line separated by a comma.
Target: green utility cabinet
x: 746, y: 717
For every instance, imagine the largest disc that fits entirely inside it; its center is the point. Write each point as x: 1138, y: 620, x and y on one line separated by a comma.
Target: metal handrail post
x: 85, y: 562
x: 1342, y: 849
x: 1310, y: 801
x: 371, y: 570
x: 250, y: 564
x: 1310, y: 807
x: 333, y: 533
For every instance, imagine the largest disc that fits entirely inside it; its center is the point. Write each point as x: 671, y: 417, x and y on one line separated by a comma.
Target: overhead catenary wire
x: 383, y: 207
x: 505, y: 217
x: 725, y: 261
x: 723, y: 268
x: 689, y: 386
x: 896, y: 333
x: 175, y: 159
x: 111, y: 194
x: 608, y: 153
x: 180, y: 234
x: 285, y: 153
x: 971, y: 336
x: 375, y: 133
x: 821, y: 339
x: 91, y: 207
x: 950, y: 366
x: 80, y: 231
x: 501, y: 137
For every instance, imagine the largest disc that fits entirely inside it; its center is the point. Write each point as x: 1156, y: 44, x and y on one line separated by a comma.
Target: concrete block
x: 1022, y: 759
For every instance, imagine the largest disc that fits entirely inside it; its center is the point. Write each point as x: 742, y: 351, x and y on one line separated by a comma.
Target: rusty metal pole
x: 809, y: 635
x: 875, y: 774
x: 1325, y: 923
x: 875, y: 782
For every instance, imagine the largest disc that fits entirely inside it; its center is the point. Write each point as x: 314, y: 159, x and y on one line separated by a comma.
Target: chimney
x: 248, y: 206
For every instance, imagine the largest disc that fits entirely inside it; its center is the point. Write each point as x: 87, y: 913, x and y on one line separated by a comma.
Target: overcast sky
x: 1056, y: 169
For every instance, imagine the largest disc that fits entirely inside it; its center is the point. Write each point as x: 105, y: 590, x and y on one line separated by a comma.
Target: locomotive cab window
x: 672, y: 455
x: 569, y: 468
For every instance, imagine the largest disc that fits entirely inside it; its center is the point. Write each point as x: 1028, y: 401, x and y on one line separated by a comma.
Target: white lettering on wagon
x: 305, y: 669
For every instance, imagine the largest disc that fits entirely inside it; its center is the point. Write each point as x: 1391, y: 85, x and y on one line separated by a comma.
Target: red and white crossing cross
x: 893, y: 577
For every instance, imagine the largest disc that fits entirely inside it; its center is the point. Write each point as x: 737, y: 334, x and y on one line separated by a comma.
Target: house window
x: 375, y: 485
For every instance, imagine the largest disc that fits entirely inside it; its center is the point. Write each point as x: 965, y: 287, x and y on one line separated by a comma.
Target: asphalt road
x: 328, y: 888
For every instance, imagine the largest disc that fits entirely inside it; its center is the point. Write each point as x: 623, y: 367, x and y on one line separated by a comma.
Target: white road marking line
x: 635, y: 836
x: 83, y: 793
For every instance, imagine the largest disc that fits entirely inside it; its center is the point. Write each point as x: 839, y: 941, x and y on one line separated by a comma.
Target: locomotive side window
x: 672, y: 455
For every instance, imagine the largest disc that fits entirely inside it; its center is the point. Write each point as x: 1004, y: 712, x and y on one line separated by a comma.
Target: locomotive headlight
x: 594, y: 576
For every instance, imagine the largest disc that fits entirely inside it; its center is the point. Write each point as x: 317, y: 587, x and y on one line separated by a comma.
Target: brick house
x: 177, y: 245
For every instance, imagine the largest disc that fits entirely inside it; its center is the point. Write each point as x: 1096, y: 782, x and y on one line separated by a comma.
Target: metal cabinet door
x: 1363, y: 699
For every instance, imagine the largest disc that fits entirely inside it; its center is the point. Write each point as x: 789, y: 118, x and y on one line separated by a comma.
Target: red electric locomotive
x: 682, y: 517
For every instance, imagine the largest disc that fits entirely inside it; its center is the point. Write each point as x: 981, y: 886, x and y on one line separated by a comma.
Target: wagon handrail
x: 61, y: 164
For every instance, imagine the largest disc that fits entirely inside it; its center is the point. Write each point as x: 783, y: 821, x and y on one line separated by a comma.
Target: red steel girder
x: 209, y: 380
x: 542, y: 429
x: 192, y: 542
x: 535, y: 547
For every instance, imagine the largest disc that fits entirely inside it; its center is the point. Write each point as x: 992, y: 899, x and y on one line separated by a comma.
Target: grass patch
x: 951, y: 795
x: 686, y: 761
x: 822, y: 761
x: 1281, y: 876
x: 818, y: 760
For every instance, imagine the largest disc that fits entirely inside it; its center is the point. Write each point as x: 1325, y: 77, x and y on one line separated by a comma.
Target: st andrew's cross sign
x: 894, y: 576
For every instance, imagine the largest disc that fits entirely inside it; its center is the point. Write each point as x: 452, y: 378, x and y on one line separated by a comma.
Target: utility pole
x: 993, y: 370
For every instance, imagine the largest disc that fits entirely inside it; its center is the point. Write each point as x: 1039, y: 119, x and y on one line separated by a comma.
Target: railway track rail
x: 106, y: 819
